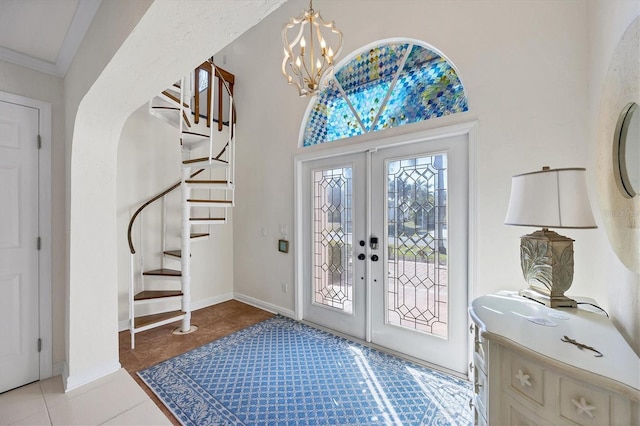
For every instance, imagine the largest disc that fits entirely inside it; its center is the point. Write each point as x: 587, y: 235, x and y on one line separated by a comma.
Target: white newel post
x: 185, y: 255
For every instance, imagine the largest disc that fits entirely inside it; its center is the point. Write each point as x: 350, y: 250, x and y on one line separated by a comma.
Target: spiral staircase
x: 201, y: 109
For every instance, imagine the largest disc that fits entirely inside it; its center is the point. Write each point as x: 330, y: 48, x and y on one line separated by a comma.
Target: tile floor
x: 122, y: 398
x: 112, y: 400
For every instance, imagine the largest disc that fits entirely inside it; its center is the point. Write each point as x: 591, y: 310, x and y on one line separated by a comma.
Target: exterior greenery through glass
x: 387, y: 86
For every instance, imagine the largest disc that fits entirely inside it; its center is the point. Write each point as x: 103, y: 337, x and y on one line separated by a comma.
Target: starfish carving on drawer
x: 582, y: 406
x: 524, y: 378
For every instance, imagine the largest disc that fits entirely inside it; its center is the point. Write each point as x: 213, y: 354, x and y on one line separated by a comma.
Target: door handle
x: 361, y: 256
x: 374, y: 257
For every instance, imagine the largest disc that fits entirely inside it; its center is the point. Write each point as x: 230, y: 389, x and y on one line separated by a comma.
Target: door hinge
x: 39, y: 345
x: 39, y: 243
x: 39, y: 142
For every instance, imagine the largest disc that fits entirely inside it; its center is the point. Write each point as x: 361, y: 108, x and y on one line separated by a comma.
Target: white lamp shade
x: 552, y: 198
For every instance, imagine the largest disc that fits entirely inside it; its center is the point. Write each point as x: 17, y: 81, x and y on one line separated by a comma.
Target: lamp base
x: 547, y: 300
x: 546, y: 259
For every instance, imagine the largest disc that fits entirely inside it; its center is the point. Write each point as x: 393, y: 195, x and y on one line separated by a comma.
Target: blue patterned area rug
x: 282, y: 372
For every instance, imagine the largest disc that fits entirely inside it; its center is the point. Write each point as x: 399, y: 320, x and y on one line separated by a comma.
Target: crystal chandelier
x: 311, y: 67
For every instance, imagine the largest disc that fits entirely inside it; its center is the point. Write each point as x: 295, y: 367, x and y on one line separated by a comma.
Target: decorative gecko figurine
x: 582, y: 346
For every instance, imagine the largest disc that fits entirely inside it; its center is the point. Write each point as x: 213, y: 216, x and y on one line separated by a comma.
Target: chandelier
x: 308, y: 64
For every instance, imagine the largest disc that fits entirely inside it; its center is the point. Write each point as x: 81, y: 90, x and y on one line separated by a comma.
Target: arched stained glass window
x: 385, y: 86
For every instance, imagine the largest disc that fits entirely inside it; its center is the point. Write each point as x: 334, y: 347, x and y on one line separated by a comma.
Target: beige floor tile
x: 21, y: 403
x: 113, y: 396
x: 39, y: 419
x: 144, y: 414
x: 53, y: 390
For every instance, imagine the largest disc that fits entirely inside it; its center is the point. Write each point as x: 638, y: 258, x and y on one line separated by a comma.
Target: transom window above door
x: 385, y: 86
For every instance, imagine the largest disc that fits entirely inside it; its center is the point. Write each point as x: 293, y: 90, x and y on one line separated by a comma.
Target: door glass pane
x: 332, y: 236
x: 417, y: 286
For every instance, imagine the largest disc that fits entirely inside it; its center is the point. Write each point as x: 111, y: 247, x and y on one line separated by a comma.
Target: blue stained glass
x: 330, y: 118
x: 378, y: 63
x: 368, y: 100
x: 432, y: 89
x: 426, y: 87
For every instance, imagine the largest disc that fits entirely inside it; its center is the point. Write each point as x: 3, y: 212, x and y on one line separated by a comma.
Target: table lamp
x: 549, y: 198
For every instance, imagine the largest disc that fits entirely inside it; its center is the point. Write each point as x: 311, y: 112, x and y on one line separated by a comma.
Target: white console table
x: 524, y: 374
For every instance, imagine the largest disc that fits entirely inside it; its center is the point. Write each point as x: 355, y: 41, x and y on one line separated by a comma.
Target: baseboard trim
x: 205, y: 303
x: 77, y: 380
x: 58, y: 369
x: 200, y: 304
x: 263, y: 305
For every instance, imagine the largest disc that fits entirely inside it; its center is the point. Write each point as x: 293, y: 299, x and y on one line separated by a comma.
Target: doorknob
x: 374, y: 257
x: 361, y: 256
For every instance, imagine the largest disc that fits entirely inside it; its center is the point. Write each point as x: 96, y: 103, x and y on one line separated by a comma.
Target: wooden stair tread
x: 164, y: 272
x: 195, y: 134
x: 156, y: 294
x: 174, y: 98
x: 223, y: 182
x: 199, y: 234
x: 197, y: 160
x: 174, y: 253
x: 166, y: 107
x: 193, y: 200
x: 150, y: 319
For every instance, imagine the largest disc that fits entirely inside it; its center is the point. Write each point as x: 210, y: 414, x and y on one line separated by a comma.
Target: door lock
x: 373, y: 243
x: 374, y: 257
x: 361, y: 256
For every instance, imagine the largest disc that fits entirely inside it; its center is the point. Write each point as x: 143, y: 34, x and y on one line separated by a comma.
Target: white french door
x: 333, y: 210
x: 385, y: 247
x: 419, y: 208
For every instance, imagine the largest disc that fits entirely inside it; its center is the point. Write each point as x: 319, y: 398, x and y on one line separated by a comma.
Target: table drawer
x: 524, y: 377
x: 480, y: 387
x: 583, y: 404
x: 480, y: 350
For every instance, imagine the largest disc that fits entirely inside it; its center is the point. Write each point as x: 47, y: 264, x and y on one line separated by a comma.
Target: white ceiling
x: 44, y: 34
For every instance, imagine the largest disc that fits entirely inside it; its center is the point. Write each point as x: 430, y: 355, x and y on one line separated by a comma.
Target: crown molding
x: 80, y: 23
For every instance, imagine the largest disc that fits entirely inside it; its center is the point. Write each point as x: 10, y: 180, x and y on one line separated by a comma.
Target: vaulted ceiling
x: 44, y: 34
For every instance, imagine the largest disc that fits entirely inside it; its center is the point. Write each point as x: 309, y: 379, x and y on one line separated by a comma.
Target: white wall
x: 608, y: 20
x: 148, y: 163
x: 523, y: 64
x: 47, y: 88
x: 132, y: 51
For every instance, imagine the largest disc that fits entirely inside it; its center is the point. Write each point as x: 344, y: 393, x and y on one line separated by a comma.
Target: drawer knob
x: 582, y: 406
x: 470, y: 403
x: 471, y: 328
x: 524, y: 378
x: 471, y: 367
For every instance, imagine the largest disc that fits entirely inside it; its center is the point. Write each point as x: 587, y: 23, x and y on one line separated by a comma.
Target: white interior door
x: 385, y: 237
x: 19, y: 304
x: 419, y: 211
